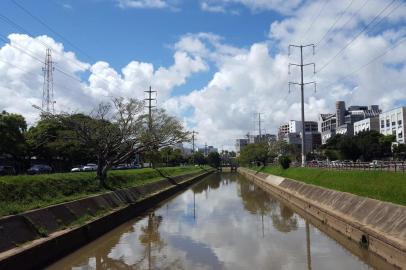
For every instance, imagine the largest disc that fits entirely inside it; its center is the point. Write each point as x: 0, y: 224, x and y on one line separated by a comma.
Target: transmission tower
x: 149, y: 99
x: 302, y: 84
x: 48, y: 87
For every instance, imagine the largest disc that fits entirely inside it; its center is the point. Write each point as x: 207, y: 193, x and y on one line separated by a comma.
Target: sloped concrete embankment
x: 33, y: 239
x: 378, y: 226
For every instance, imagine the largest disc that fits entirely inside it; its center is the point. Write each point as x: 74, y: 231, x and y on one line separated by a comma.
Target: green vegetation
x: 365, y: 146
x: 22, y: 193
x: 385, y: 186
x: 284, y: 161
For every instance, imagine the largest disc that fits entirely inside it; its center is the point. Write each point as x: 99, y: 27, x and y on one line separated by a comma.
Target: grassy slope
x: 25, y: 192
x: 385, y: 186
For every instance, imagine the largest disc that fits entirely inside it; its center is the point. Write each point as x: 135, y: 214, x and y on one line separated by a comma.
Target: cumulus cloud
x: 246, y: 80
x: 21, y: 62
x: 255, y: 80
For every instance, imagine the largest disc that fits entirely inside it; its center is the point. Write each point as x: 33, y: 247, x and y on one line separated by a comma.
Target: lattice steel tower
x: 48, y: 87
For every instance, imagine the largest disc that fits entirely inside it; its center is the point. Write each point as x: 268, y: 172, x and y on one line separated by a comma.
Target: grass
x: 27, y: 192
x: 380, y: 185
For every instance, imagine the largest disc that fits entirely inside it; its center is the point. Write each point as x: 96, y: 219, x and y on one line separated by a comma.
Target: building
x: 393, y: 123
x: 366, y: 125
x: 268, y: 138
x: 312, y: 141
x: 240, y: 144
x: 207, y: 150
x: 283, y: 130
x: 327, y: 126
x: 292, y: 134
x: 296, y: 126
x: 342, y: 121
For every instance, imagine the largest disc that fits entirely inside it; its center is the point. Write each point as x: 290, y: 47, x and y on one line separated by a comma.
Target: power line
x: 347, y: 22
x: 389, y: 13
x: 315, y: 18
x: 19, y: 27
x: 51, y: 29
x: 335, y: 22
x: 355, y: 37
x: 371, y: 61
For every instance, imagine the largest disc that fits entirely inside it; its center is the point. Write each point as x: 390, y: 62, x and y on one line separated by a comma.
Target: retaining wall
x: 34, y: 239
x: 378, y: 226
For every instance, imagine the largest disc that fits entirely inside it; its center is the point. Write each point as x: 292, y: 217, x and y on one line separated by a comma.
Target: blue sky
x: 107, y: 32
x: 215, y: 63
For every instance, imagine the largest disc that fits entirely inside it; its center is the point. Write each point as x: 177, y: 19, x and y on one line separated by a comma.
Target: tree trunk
x: 102, y: 173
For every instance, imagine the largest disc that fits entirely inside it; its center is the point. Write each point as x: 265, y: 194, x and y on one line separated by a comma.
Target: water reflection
x: 223, y: 222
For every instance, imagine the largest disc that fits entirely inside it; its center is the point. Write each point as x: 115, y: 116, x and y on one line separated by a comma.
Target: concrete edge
x: 377, y: 241
x: 42, y: 251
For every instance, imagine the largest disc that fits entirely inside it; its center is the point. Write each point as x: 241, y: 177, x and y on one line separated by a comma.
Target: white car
x: 77, y: 169
x: 90, y: 167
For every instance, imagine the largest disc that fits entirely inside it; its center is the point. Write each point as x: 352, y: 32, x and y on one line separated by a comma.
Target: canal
x: 223, y: 222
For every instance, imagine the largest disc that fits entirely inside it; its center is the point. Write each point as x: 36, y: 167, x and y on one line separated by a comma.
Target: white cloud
x: 255, y: 80
x: 205, y: 6
x: 281, y: 6
x: 143, y: 3
x: 22, y: 79
x: 246, y: 80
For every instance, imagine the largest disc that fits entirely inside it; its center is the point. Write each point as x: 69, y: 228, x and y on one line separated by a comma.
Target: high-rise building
x: 342, y: 121
x: 393, y: 123
x: 240, y: 144
x: 292, y: 134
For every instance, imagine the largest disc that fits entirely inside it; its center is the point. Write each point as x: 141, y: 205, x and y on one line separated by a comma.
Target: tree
x: 255, y: 153
x: 171, y: 156
x: 116, y: 131
x: 214, y: 159
x: 199, y: 158
x: 12, y: 132
x: 399, y: 151
x: 49, y: 140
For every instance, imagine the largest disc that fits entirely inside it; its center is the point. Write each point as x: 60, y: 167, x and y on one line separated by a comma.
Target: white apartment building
x: 366, y: 125
x: 393, y: 123
x: 296, y: 126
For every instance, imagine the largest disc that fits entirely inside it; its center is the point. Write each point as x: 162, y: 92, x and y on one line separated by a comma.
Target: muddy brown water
x: 223, y: 222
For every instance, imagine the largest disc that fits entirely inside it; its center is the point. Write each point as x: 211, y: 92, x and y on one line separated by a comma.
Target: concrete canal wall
x: 378, y: 226
x: 33, y: 239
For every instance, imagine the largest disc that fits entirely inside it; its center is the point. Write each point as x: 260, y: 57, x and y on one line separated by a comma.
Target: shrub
x: 284, y: 161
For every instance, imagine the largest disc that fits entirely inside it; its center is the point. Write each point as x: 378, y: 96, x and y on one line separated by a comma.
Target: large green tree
x: 214, y: 159
x: 366, y: 146
x: 255, y: 153
x: 12, y: 132
x: 116, y: 131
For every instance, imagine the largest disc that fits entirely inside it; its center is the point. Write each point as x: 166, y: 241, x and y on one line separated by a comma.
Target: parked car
x: 90, y: 167
x: 120, y: 167
x: 39, y: 168
x: 7, y: 170
x: 376, y: 164
x: 78, y: 168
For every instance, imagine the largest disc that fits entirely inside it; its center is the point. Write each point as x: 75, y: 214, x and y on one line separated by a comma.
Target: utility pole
x: 259, y: 125
x: 193, y: 140
x: 193, y: 145
x: 48, y: 86
x: 302, y: 84
x: 149, y: 100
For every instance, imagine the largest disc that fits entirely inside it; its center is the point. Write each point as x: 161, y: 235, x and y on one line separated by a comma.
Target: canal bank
x: 379, y: 227
x: 33, y: 239
x: 224, y: 221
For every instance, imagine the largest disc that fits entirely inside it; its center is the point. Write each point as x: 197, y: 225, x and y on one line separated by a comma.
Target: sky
x: 215, y: 64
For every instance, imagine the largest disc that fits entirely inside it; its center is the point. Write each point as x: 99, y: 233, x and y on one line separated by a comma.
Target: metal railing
x: 394, y: 166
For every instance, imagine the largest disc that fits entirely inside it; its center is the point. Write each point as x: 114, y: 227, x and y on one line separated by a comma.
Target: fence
x: 394, y: 166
